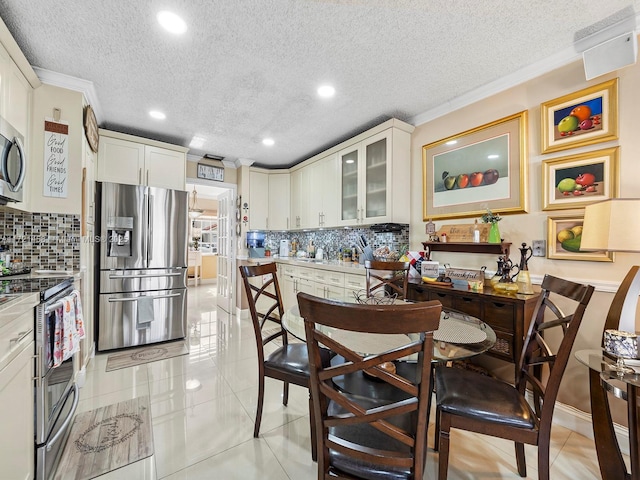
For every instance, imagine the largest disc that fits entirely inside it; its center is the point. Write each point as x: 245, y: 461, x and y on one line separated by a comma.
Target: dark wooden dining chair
x: 477, y: 403
x: 370, y: 437
x: 289, y: 362
x: 389, y: 277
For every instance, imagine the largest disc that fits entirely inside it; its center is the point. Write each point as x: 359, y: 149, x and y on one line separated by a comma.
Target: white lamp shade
x: 612, y: 225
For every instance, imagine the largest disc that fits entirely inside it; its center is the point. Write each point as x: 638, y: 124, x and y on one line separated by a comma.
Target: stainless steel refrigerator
x: 141, y: 273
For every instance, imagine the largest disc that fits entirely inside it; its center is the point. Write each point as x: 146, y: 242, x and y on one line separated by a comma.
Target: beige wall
x: 532, y: 225
x: 70, y: 103
x: 230, y: 175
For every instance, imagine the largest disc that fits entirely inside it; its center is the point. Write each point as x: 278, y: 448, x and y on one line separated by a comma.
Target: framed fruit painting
x: 483, y: 168
x: 581, y: 118
x: 578, y: 180
x: 564, y: 234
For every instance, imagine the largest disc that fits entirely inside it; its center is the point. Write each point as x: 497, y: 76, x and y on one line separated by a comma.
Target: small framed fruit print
x: 564, y: 234
x: 581, y: 118
x: 479, y: 169
x: 578, y: 180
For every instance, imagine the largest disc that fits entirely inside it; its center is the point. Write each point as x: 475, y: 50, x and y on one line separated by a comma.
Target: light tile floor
x: 203, y: 406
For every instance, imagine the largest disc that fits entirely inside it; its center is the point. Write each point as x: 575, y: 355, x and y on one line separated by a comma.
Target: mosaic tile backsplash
x: 46, y: 241
x: 333, y: 240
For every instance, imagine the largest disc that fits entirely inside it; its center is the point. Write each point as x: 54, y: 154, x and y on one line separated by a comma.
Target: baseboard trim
x: 580, y: 422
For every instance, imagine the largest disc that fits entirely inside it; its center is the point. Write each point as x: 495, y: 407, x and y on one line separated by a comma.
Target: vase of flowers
x: 494, y: 231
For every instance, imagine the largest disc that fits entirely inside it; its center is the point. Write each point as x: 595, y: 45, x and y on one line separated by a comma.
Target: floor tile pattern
x: 203, y: 407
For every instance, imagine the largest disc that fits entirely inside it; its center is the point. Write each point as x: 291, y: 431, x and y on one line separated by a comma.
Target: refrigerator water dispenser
x: 119, y: 234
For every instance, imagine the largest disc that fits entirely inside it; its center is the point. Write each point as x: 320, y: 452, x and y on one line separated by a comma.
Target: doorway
x: 221, y: 220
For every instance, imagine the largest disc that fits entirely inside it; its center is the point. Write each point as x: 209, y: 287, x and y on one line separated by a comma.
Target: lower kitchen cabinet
x: 16, y: 415
x: 508, y: 315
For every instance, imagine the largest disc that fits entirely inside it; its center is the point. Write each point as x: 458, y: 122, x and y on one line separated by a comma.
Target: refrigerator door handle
x: 150, y: 231
x: 67, y: 420
x: 135, y: 299
x: 120, y: 277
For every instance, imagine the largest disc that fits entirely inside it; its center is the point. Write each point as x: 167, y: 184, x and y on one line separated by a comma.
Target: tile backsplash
x: 333, y: 239
x: 47, y: 241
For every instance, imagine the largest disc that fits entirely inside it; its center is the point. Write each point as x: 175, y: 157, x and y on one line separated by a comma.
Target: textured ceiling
x: 249, y: 69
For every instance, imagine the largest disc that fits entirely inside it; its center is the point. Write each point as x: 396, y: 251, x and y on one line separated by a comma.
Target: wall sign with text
x: 56, y: 158
x: 210, y: 172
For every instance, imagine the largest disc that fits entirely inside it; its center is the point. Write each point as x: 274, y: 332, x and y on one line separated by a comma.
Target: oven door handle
x: 135, y: 299
x: 67, y: 420
x: 157, y: 275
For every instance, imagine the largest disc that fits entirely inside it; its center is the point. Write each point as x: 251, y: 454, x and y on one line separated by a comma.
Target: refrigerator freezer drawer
x: 120, y: 281
x: 133, y: 319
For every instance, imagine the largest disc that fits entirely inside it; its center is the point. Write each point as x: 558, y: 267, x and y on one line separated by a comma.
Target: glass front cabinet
x: 366, y: 180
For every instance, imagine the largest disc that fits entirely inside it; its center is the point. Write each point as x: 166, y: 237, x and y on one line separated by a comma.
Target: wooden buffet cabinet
x: 508, y: 315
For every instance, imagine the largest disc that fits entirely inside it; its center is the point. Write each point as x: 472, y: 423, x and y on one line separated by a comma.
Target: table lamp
x: 613, y: 225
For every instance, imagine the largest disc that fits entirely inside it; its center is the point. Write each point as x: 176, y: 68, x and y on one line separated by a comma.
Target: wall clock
x: 91, y: 128
x: 210, y: 172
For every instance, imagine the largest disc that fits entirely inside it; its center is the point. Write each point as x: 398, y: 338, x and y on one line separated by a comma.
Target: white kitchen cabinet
x: 374, y: 179
x: 15, y: 94
x: 329, y: 284
x: 16, y: 416
x: 300, y: 198
x: 354, y: 284
x: 323, y: 192
x: 279, y: 201
x: 133, y: 161
x: 16, y: 388
x: 258, y: 200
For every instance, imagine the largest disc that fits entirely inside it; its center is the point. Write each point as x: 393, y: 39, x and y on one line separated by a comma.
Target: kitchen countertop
x: 330, y: 265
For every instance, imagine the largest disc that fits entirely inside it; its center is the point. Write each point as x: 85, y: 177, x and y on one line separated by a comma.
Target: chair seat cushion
x: 366, y: 435
x: 294, y: 359
x: 290, y: 359
x: 469, y: 394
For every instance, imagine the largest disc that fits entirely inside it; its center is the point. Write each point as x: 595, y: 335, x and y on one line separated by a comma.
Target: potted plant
x: 346, y: 255
x: 494, y: 231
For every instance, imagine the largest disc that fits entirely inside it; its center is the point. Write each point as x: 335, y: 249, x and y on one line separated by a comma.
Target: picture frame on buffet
x: 579, y: 180
x: 483, y: 168
x: 581, y: 118
x: 563, y: 240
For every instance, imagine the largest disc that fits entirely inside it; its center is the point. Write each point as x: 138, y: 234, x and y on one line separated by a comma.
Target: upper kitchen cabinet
x: 133, y: 160
x: 279, y: 199
x: 300, y: 197
x: 15, y: 94
x: 269, y: 198
x: 373, y: 178
x: 258, y: 200
x: 323, y: 192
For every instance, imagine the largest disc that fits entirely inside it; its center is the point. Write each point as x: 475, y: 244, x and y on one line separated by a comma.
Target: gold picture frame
x: 579, y: 180
x: 567, y: 247
x: 485, y: 167
x: 581, y: 118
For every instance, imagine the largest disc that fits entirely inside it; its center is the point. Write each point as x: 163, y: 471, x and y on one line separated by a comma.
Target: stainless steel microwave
x: 13, y: 163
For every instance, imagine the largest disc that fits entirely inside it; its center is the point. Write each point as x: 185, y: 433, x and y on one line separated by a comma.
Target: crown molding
x: 244, y: 162
x: 72, y: 83
x: 229, y: 164
x: 558, y: 60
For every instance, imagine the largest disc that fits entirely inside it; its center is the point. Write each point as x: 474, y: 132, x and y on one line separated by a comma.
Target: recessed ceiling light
x: 268, y: 142
x: 493, y: 156
x: 326, y: 91
x: 197, y: 142
x: 171, y: 22
x: 157, y: 115
x: 350, y: 160
x: 451, y: 142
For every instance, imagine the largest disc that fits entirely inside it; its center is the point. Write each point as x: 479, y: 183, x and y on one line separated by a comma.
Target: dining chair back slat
x: 391, y: 278
x: 370, y: 437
